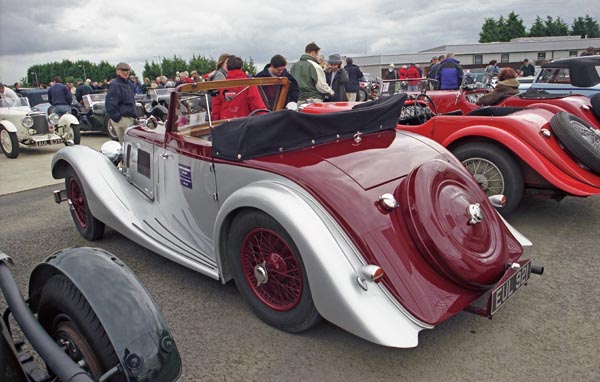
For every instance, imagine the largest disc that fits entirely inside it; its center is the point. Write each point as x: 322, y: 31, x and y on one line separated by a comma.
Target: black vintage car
x: 83, y: 297
x: 92, y: 115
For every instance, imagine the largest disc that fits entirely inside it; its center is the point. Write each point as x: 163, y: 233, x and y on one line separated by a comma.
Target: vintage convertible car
x: 92, y: 115
x: 509, y: 149
x: 311, y: 215
x: 465, y: 100
x: 22, y: 125
x: 82, y: 297
x: 573, y: 75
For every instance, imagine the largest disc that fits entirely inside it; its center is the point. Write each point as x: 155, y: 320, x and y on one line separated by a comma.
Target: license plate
x: 510, y: 283
x: 49, y: 142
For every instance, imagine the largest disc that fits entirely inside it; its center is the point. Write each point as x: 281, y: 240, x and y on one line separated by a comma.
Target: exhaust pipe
x: 537, y: 269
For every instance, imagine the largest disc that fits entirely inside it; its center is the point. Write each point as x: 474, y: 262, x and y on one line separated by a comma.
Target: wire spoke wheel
x: 269, y: 272
x: 77, y: 202
x: 487, y: 174
x: 271, y: 269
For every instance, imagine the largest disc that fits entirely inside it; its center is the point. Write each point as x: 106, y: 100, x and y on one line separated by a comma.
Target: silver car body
x: 135, y: 206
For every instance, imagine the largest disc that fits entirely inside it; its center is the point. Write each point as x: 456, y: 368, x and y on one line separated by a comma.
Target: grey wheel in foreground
x: 88, y: 226
x: 69, y: 319
x: 270, y: 274
x: 496, y: 171
x: 111, y: 131
x: 580, y: 139
x: 9, y: 143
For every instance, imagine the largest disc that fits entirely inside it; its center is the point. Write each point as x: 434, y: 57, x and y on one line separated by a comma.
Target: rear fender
x: 331, y: 261
x: 123, y: 306
x: 9, y: 126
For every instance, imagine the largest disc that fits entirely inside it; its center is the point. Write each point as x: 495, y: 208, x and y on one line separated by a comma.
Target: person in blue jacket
x: 60, y: 97
x: 449, y: 73
x: 120, y: 101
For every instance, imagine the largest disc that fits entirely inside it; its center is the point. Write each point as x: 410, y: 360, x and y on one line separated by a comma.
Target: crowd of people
x: 311, y: 79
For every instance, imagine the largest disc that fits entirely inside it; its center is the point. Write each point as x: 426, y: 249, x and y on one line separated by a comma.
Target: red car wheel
x: 455, y: 228
x: 88, y: 226
x: 269, y: 273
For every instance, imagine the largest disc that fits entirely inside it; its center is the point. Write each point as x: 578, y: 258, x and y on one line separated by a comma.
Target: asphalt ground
x: 548, y: 331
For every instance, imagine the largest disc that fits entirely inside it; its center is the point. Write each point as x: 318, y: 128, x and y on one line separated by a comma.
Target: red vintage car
x: 508, y: 149
x: 586, y: 108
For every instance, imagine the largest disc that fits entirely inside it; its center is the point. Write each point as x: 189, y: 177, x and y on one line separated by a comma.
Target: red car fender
x: 526, y: 153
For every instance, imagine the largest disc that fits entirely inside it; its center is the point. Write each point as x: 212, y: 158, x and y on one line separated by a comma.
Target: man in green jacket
x: 310, y: 76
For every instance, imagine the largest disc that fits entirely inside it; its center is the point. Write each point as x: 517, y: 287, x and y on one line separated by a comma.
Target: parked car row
x: 384, y: 217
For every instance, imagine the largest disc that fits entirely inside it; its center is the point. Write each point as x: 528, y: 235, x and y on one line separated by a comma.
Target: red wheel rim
x: 264, y: 250
x: 77, y: 202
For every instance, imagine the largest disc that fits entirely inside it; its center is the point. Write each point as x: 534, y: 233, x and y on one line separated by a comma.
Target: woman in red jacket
x: 238, y: 101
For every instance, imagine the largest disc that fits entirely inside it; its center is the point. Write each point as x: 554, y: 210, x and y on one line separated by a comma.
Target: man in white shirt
x: 8, y: 96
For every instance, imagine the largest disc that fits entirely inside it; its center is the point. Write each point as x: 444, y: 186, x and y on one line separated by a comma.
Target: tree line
x: 511, y: 26
x: 71, y: 71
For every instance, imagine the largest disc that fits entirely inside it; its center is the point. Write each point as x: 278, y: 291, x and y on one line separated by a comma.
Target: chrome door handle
x: 166, y: 155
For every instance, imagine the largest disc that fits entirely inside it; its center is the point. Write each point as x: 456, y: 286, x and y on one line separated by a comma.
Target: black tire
x: 580, y: 139
x: 293, y: 311
x: 9, y: 143
x: 362, y: 95
x: 496, y: 171
x: 75, y: 134
x: 69, y: 319
x: 88, y: 226
x: 111, y: 131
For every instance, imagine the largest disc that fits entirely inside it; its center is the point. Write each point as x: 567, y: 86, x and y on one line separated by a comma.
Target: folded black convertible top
x: 287, y: 130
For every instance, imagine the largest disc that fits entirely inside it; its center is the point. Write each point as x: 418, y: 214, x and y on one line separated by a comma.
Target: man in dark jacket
x: 60, y: 97
x: 276, y: 68
x: 354, y: 76
x: 337, y: 78
x: 449, y: 73
x: 82, y: 89
x: 120, y: 101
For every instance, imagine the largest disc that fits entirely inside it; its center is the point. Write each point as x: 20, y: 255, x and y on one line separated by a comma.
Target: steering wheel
x: 254, y: 112
x: 429, y: 101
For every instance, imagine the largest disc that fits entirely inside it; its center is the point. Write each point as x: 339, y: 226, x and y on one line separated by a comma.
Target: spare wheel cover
x: 436, y: 198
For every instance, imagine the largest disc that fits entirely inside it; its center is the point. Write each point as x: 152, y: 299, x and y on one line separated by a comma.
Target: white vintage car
x: 20, y: 125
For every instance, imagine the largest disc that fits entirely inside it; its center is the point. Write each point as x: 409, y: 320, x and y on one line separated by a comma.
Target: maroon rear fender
x: 454, y: 225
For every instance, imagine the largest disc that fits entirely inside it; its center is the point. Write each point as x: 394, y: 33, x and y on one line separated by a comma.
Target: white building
x: 536, y: 49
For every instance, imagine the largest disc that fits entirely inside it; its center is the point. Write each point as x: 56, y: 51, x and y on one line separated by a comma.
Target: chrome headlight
x: 148, y: 107
x: 53, y: 118
x: 27, y: 121
x: 112, y: 150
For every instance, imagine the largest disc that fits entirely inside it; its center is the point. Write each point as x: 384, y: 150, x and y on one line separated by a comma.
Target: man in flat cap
x: 120, y: 101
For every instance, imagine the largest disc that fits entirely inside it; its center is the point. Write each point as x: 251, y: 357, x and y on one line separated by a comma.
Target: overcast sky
x: 37, y: 32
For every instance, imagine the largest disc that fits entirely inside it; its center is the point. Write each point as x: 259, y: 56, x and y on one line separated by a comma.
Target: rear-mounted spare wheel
x: 453, y: 224
x: 579, y: 138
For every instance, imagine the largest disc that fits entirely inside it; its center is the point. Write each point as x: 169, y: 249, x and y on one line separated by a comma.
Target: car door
x: 185, y: 201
